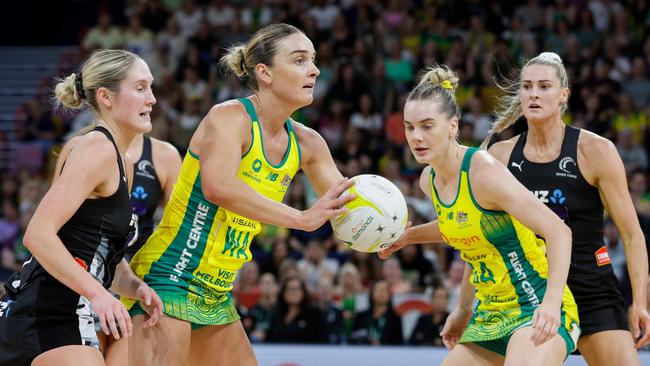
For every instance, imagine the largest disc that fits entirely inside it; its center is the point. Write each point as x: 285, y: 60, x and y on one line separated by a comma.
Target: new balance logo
x: 518, y: 166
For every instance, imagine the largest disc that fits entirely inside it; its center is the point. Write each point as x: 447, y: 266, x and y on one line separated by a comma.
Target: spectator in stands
x: 369, y: 267
x: 295, y: 320
x: 453, y: 282
x: 332, y: 314
x: 392, y: 274
x: 314, y: 266
x: 634, y: 157
x: 416, y: 269
x: 288, y: 269
x: 348, y: 87
x: 628, y: 118
x: 185, y: 124
x: 349, y: 288
x: 154, y: 16
x: 478, y: 118
x: 220, y: 14
x: 259, y: 317
x: 138, y: 39
x: 379, y: 325
x: 333, y: 123
x: 189, y: 17
x: 174, y: 41
x: 638, y: 87
x: 638, y: 186
x: 279, y: 252
x: 428, y: 327
x: 105, y: 35
x: 256, y: 14
x: 324, y: 14
x: 246, y: 288
x: 367, y: 119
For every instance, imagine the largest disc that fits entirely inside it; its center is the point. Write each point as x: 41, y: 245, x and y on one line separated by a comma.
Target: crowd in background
x: 307, y: 287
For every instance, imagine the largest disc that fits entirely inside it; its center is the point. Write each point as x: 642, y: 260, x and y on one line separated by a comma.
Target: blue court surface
x: 300, y: 355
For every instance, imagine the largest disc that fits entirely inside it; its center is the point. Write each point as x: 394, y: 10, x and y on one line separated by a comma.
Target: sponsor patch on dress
x: 602, y: 256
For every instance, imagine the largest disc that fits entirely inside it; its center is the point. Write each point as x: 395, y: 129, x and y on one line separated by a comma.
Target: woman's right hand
x: 455, y: 326
x: 110, y: 311
x: 328, y: 206
x: 400, y: 243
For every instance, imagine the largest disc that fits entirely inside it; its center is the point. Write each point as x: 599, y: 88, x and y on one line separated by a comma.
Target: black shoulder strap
x: 517, y: 152
x: 146, y: 149
x: 570, y: 142
x: 117, y: 151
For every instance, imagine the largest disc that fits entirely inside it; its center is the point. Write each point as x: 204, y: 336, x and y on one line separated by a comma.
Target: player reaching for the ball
x: 240, y: 162
x: 525, y: 311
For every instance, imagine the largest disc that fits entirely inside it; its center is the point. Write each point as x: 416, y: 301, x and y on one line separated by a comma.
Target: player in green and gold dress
x: 524, y: 310
x: 235, y: 174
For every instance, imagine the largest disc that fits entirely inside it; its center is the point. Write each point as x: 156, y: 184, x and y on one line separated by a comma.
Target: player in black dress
x: 78, y: 234
x: 154, y: 174
x: 577, y: 174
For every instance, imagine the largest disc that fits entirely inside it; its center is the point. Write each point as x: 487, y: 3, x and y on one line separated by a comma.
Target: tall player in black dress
x: 577, y: 173
x: 81, y: 227
x: 156, y: 168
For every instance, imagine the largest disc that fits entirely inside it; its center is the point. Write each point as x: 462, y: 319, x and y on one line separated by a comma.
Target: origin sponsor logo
x: 461, y: 240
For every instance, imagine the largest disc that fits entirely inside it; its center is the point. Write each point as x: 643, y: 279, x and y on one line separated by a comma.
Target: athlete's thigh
x: 522, y: 351
x: 166, y: 343
x: 221, y: 345
x: 611, y: 347
x: 70, y: 355
x: 469, y: 354
x: 116, y: 352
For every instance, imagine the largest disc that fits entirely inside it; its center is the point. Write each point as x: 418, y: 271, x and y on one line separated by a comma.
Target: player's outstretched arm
x: 421, y: 234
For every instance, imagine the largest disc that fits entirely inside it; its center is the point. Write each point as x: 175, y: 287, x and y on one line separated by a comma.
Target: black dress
x: 39, y: 313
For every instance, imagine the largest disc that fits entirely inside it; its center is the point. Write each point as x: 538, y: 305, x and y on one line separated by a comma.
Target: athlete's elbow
x: 564, y: 235
x: 31, y: 239
x: 217, y: 194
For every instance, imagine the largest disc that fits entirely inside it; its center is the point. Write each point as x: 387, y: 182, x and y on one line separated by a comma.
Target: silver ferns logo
x: 565, y: 167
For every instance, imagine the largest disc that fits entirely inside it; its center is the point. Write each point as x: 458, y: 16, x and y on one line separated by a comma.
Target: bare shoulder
x: 88, y: 154
x: 226, y: 122
x: 93, y: 146
x: 502, y: 149
x: 485, y: 168
x: 163, y: 149
x: 594, y: 147
x: 424, y: 180
x: 312, y: 144
x: 305, y: 134
x: 228, y: 112
x: 597, y: 157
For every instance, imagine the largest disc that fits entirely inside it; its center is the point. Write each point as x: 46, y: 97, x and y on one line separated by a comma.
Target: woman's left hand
x: 150, y: 302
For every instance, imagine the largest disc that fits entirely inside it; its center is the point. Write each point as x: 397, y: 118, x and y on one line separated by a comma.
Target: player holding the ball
x: 238, y: 167
x: 525, y: 312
